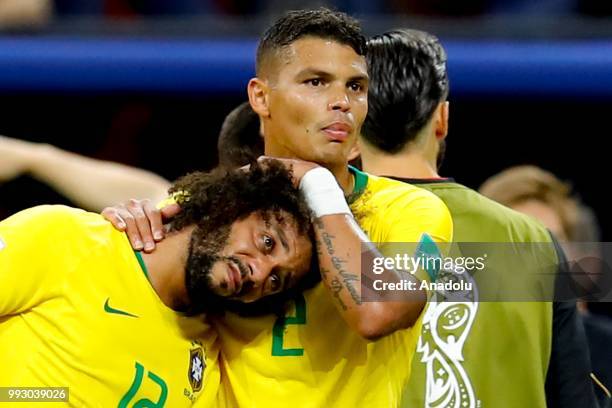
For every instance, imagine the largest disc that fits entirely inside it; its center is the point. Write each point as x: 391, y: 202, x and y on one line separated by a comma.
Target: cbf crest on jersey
x: 197, y: 365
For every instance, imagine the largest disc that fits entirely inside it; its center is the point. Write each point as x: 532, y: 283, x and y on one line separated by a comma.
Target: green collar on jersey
x: 361, y: 181
x: 143, y: 266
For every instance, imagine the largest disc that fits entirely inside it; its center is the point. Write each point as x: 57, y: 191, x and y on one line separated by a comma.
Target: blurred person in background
x: 24, y: 14
x: 240, y: 140
x: 541, y: 195
x: 534, y: 343
x: 58, y: 168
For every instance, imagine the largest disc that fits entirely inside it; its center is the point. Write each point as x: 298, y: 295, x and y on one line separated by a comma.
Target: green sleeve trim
x: 143, y: 266
x: 428, y: 249
x: 361, y: 181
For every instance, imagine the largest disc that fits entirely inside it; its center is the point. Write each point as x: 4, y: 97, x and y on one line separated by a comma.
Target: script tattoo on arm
x: 339, y: 278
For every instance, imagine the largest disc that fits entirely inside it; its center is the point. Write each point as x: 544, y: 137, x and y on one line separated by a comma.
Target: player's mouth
x: 234, y: 278
x: 338, y: 131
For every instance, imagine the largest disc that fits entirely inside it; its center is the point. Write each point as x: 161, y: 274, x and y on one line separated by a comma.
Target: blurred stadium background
x: 148, y: 83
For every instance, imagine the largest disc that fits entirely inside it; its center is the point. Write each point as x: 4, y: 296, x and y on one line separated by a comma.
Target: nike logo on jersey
x: 2, y: 245
x: 109, y: 309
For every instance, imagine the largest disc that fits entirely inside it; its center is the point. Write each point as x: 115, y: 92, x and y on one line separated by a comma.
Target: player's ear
x: 441, y: 121
x: 258, y: 96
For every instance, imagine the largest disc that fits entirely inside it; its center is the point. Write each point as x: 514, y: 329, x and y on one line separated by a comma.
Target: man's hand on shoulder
x: 141, y: 220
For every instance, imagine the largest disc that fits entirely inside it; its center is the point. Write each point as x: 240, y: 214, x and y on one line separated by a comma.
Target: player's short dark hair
x: 211, y: 200
x: 408, y: 79
x: 321, y: 23
x: 239, y: 141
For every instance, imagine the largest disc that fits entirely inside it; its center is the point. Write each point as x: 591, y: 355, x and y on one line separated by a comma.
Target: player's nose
x: 260, y: 269
x: 255, y: 283
x: 340, y: 101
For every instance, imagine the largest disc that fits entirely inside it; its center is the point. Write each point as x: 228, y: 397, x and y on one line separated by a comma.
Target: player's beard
x: 204, y: 251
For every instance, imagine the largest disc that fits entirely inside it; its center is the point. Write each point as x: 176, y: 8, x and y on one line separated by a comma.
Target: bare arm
x: 90, y: 183
x: 343, y: 249
x: 339, y: 244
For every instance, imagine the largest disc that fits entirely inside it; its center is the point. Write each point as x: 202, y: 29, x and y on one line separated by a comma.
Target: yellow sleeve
x: 422, y: 213
x: 423, y: 220
x: 32, y: 256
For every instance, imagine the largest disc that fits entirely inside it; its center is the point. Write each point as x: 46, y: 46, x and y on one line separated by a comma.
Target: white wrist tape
x: 323, y: 194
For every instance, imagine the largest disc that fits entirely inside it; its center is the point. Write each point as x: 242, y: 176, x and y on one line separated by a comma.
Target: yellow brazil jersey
x: 77, y: 311
x: 310, y: 357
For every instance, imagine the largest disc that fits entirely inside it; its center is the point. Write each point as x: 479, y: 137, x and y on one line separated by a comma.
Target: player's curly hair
x: 214, y: 200
x: 210, y: 199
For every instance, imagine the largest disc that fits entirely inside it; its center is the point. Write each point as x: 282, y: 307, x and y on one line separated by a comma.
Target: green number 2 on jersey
x: 426, y: 248
x: 144, y: 402
x: 278, y: 332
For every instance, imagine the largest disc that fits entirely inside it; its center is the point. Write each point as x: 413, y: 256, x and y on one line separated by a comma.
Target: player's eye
x: 268, y: 243
x: 275, y: 282
x: 314, y: 82
x: 356, y: 86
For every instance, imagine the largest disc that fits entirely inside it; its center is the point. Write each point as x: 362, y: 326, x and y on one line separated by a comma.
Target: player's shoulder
x: 402, y: 194
x: 56, y: 217
x: 42, y: 214
x: 399, y: 208
x: 53, y: 213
